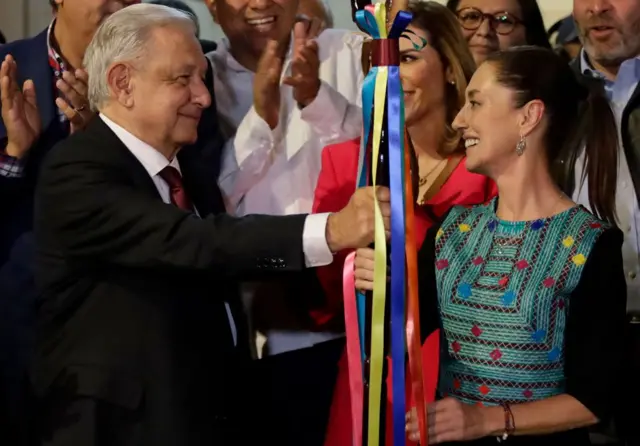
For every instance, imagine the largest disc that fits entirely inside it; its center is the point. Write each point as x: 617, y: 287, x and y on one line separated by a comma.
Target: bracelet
x: 509, y: 423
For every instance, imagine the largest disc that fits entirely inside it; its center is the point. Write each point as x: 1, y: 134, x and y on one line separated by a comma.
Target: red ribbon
x: 384, y: 52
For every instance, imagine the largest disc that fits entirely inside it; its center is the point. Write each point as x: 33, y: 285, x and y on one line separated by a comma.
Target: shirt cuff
x: 326, y: 112
x: 314, y: 241
x: 253, y: 134
x: 332, y: 117
x: 10, y: 167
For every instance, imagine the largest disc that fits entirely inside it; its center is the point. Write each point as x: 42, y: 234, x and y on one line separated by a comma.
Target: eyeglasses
x: 502, y: 22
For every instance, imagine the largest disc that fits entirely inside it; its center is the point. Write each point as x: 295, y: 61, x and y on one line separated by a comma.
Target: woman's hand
x: 363, y: 264
x: 450, y: 420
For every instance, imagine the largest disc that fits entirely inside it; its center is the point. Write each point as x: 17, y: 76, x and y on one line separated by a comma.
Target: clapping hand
x: 266, y: 84
x: 450, y: 420
x: 305, y: 62
x: 19, y: 110
x: 74, y: 103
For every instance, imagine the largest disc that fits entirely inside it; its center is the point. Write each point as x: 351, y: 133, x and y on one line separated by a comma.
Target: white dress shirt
x: 316, y: 251
x: 275, y: 172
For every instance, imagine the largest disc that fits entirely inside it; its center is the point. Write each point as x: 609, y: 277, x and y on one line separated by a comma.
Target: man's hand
x: 266, y: 84
x: 75, y: 106
x: 19, y: 110
x: 354, y: 226
x: 305, y: 63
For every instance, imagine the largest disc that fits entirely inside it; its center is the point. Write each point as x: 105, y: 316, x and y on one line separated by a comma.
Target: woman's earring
x: 522, y: 144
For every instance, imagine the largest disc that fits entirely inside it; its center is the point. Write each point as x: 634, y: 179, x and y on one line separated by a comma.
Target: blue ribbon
x: 367, y: 22
x: 395, y: 138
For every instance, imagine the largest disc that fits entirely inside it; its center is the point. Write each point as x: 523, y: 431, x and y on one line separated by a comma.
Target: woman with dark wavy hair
x: 492, y: 25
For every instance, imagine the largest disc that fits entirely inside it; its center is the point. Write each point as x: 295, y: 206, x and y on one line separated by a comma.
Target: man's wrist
x: 305, y: 101
x: 14, y: 151
x: 332, y: 234
x: 271, y: 121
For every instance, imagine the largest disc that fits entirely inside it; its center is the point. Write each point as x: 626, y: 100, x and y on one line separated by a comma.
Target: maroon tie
x: 178, y: 194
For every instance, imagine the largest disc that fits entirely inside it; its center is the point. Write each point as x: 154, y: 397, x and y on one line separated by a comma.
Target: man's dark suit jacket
x: 133, y: 289
x: 17, y: 245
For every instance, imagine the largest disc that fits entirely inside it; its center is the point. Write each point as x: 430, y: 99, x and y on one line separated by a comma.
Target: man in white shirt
x: 610, y: 33
x: 281, y: 98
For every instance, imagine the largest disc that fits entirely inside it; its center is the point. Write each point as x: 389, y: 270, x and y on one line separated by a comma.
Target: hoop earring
x: 522, y: 144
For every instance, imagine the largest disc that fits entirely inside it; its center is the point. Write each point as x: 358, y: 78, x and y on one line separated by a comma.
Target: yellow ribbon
x: 377, y: 356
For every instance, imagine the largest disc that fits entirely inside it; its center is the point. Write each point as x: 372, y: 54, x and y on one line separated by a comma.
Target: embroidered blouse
x: 528, y: 310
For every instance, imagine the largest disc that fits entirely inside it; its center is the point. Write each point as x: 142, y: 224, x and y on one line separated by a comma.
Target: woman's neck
x: 427, y: 135
x: 528, y: 192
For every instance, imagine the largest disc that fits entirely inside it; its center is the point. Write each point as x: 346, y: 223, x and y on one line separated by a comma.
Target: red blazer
x: 336, y: 185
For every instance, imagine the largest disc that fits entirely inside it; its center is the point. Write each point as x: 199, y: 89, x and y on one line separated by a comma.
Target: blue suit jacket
x: 17, y: 250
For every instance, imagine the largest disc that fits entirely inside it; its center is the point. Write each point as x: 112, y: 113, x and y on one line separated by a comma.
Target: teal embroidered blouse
x: 528, y: 310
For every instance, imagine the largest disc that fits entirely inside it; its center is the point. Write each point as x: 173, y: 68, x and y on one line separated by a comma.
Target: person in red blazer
x: 435, y: 68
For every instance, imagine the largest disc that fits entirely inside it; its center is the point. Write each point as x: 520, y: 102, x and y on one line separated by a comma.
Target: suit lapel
x: 111, y: 142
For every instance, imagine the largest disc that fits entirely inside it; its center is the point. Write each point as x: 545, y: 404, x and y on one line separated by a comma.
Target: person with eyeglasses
x: 492, y: 25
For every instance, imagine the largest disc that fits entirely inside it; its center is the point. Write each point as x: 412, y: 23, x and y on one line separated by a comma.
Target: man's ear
x: 120, y: 83
x: 211, y: 4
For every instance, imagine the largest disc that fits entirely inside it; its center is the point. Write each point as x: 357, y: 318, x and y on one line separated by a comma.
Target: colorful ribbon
x: 353, y: 350
x: 382, y: 87
x: 413, y: 310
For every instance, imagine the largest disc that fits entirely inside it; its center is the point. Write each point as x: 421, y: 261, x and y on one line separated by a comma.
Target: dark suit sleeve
x: 91, y: 211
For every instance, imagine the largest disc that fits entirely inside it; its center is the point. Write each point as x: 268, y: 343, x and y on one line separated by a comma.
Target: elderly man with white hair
x: 138, y: 342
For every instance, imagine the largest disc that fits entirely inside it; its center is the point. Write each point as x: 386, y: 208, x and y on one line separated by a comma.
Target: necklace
x: 423, y: 179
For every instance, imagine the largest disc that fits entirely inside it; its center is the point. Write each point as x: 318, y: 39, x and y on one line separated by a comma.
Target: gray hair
x: 123, y: 37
